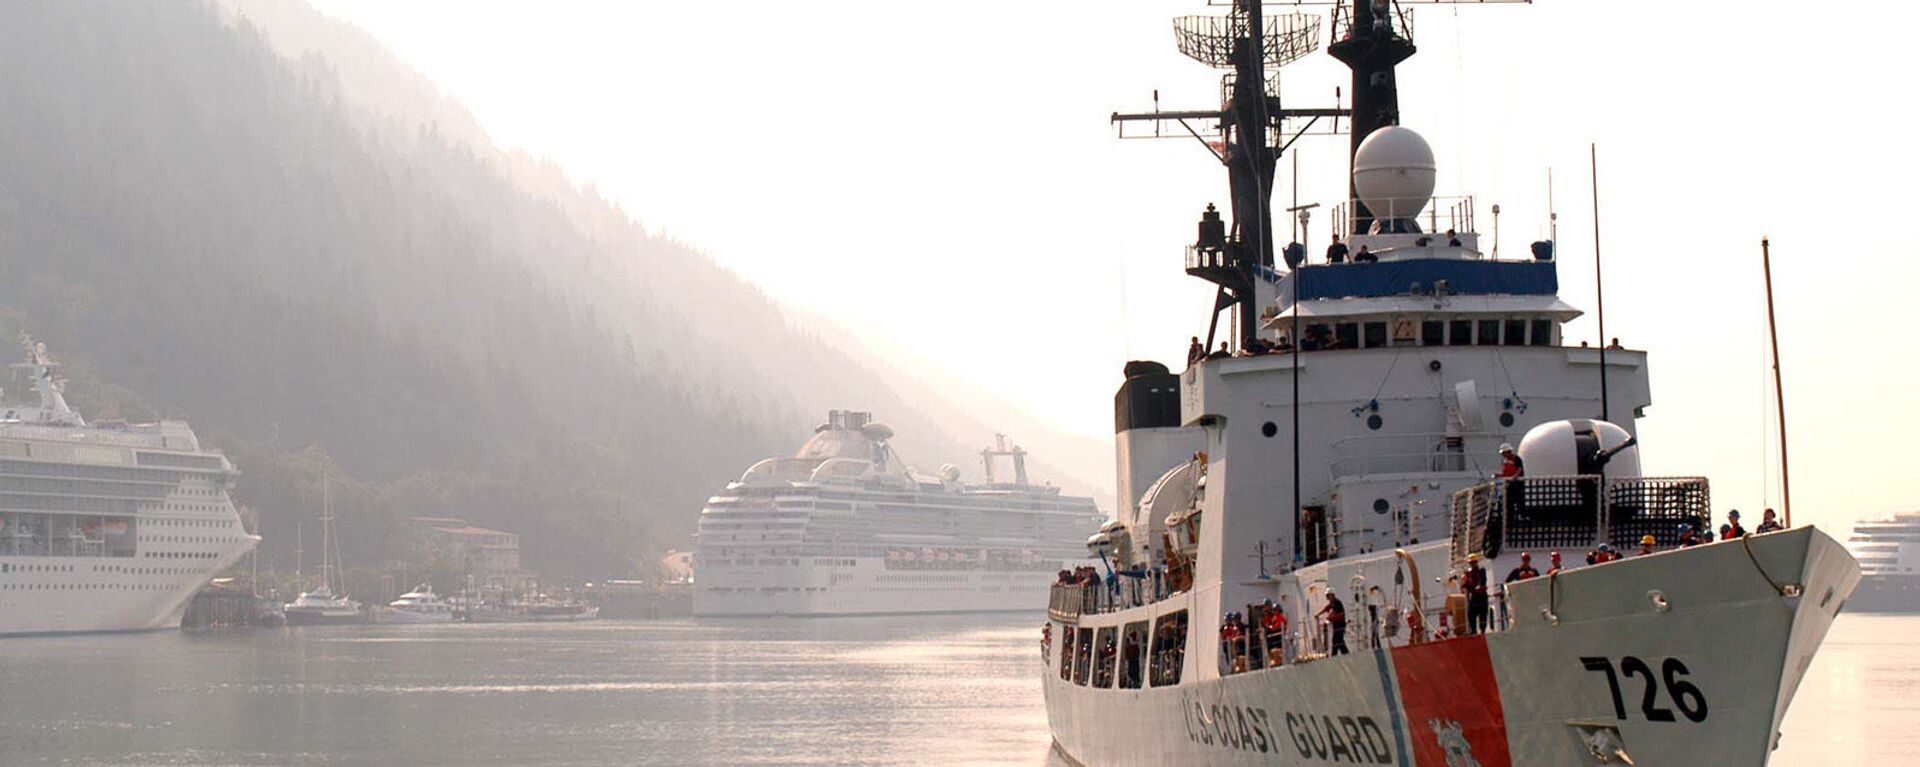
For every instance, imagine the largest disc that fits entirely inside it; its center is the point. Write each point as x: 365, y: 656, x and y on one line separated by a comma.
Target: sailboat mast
x: 1779, y: 394
x: 326, y: 532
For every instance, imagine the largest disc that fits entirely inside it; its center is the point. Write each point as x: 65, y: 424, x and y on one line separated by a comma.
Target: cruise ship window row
x: 83, y: 471
x: 180, y: 554
x: 165, y: 586
x: 69, y: 535
x: 34, y: 568
x: 139, y: 491
x: 187, y: 538
x: 10, y: 568
x: 14, y: 502
x: 175, y: 522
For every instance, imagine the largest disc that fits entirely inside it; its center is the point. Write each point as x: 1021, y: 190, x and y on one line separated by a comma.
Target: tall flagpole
x: 1599, y: 292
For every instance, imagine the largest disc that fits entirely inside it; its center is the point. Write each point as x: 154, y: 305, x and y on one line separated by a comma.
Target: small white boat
x: 322, y: 606
x: 420, y: 605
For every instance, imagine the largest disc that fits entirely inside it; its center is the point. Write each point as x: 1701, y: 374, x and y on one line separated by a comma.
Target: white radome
x: 1553, y: 448
x: 1393, y: 172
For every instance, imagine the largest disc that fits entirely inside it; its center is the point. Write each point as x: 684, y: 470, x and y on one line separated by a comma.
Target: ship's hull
x: 303, y: 617
x: 1886, y: 594
x: 82, y: 595
x: 864, y: 586
x: 1706, y: 680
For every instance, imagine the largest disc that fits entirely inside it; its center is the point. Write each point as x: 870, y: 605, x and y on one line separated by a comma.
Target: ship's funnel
x: 1393, y: 173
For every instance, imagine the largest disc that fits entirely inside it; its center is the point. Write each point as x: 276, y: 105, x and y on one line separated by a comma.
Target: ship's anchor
x: 1603, y: 742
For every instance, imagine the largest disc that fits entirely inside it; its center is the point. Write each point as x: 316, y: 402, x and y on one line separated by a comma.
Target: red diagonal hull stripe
x: 1447, y: 683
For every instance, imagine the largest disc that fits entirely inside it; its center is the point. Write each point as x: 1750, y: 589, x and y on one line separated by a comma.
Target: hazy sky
x: 941, y: 180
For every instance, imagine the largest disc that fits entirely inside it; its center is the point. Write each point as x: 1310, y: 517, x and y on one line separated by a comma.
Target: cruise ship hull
x: 864, y: 586
x: 1886, y: 594
x: 1705, y: 680
x: 82, y: 595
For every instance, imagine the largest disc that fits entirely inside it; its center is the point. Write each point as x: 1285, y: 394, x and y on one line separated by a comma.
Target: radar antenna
x: 1249, y: 123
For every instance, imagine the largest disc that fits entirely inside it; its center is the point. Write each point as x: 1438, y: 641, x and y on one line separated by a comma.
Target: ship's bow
x: 1675, y: 658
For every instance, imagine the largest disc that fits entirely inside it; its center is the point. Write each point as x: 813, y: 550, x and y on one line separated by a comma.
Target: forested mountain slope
x: 207, y: 227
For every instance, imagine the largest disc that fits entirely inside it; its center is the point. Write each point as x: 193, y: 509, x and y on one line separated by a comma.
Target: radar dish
x: 877, y: 431
x: 1211, y: 40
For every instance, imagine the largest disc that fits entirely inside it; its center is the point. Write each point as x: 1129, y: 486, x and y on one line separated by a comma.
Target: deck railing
x: 1067, y: 601
x: 1573, y: 512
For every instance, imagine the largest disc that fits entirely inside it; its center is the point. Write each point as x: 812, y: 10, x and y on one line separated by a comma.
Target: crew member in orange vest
x: 1525, y: 570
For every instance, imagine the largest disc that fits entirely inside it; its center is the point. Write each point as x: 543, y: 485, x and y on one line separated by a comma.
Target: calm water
x: 949, y: 690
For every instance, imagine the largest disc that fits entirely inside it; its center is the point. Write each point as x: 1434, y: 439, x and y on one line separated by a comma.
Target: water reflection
x: 942, y: 690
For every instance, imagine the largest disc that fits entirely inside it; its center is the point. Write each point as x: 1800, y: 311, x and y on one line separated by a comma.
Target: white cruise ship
x: 106, y: 527
x: 842, y: 529
x: 1889, y: 554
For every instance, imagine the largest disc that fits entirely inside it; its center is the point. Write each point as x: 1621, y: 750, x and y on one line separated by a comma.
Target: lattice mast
x: 1245, y: 43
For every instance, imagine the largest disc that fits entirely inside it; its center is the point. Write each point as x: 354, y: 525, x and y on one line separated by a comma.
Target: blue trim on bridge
x: 1398, y: 278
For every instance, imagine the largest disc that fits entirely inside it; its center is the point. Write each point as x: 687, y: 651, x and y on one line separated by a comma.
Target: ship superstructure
x: 1303, y: 513
x: 1889, y: 553
x: 106, y: 527
x: 843, y: 528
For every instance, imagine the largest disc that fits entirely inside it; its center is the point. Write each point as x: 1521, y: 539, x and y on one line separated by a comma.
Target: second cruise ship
x: 1889, y: 553
x: 842, y: 528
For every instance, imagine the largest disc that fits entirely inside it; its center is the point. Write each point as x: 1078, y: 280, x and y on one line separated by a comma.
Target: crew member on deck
x: 1453, y: 240
x: 1273, y: 625
x: 1767, y: 523
x: 1336, y: 614
x: 1195, y: 351
x: 1231, y: 633
x: 1511, y: 467
x: 1474, y: 585
x: 1524, y: 571
x: 1688, y: 537
x: 1647, y: 544
x: 1337, y: 252
x: 1365, y: 256
x: 1733, y: 529
x: 1553, y: 563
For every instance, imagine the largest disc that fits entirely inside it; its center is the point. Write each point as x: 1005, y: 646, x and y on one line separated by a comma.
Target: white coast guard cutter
x: 1344, y: 449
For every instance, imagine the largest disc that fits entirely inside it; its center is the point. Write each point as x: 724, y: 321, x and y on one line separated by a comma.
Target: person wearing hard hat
x: 1602, y: 554
x: 1553, y: 563
x: 1510, y: 464
x: 1732, y: 528
x: 1647, y: 544
x: 1524, y: 571
x: 1688, y: 537
x: 1473, y: 584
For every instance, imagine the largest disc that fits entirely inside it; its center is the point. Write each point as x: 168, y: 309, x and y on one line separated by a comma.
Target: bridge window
x: 1461, y: 333
x: 1516, y: 332
x: 1489, y: 333
x: 1346, y: 335
x: 1169, y: 648
x: 1133, y: 650
x: 1433, y: 333
x: 1374, y: 334
x: 1542, y: 333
